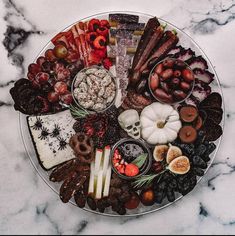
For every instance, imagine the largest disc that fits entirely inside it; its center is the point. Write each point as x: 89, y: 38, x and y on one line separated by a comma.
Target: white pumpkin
x: 160, y: 123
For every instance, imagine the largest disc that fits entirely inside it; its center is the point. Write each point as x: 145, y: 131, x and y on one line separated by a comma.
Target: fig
x: 173, y: 152
x: 160, y: 152
x: 163, y: 96
x: 166, y: 74
x: 154, y: 81
x: 180, y: 165
x: 188, y: 113
x: 147, y: 197
x: 188, y: 134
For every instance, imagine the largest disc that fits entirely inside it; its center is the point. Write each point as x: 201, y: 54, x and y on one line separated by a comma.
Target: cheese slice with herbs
x: 50, y: 135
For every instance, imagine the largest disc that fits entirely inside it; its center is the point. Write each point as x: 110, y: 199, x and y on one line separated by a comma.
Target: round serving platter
x: 187, y: 42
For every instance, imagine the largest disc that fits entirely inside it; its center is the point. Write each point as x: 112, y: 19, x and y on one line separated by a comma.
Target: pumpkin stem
x: 161, y: 124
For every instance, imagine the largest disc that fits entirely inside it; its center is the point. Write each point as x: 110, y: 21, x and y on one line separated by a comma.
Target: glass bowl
x: 189, y: 92
x: 186, y: 41
x: 91, y: 110
x: 147, y: 164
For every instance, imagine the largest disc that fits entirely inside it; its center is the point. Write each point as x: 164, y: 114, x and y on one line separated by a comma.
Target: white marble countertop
x: 27, y: 205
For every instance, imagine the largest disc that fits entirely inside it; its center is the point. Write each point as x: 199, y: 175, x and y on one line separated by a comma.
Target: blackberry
x: 198, y: 171
x: 121, y: 210
x: 112, y: 135
x: 170, y: 194
x: 205, y: 158
x: 199, y: 162
x: 200, y: 150
x: 210, y: 148
x: 173, y: 184
x: 187, y: 149
x: 200, y: 138
x: 91, y: 203
x: 159, y: 196
x: 79, y: 125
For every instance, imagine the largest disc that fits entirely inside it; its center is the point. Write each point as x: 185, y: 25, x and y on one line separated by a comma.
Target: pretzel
x: 83, y: 147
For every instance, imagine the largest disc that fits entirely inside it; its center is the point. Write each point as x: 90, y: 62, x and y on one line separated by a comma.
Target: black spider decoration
x: 44, y: 133
x: 38, y: 124
x: 62, y: 143
x: 56, y: 131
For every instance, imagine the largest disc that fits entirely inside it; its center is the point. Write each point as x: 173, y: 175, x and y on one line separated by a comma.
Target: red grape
x: 66, y: 98
x: 61, y: 87
x: 53, y: 96
x: 60, y: 51
x: 30, y: 76
x: 40, y: 60
x: 63, y: 74
x: 42, y: 77
x: 49, y: 54
x: 34, y: 68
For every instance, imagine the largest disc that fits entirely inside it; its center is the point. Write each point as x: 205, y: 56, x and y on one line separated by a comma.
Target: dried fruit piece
x: 180, y: 165
x: 198, y: 124
x: 188, y: 113
x: 160, y: 152
x: 187, y: 134
x: 213, y: 100
x: 188, y: 75
x: 134, y: 201
x: 173, y: 153
x: 147, y: 197
x: 154, y: 81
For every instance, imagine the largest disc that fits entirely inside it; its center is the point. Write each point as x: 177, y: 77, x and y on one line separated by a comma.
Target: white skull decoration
x: 129, y: 120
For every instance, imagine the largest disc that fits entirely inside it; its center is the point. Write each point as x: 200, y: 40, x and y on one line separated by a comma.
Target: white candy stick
x: 107, y: 182
x: 91, y: 188
x: 99, y: 186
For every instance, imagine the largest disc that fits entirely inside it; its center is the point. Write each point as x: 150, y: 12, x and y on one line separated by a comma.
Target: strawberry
x: 101, y: 53
x: 107, y: 63
x: 131, y: 170
x: 104, y: 23
x: 103, y: 31
x: 93, y: 25
x: 100, y: 42
x: 91, y: 36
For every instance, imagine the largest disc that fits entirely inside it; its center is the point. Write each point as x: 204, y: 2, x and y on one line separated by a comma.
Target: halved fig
x: 180, y: 165
x: 188, y: 113
x: 160, y: 152
x: 173, y: 153
x: 188, y: 134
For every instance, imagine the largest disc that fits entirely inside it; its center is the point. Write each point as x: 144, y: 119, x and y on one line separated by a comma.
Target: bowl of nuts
x: 94, y: 89
x: 171, y: 81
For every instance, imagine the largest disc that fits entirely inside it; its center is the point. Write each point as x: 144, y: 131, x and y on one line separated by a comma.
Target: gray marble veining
x: 27, y: 204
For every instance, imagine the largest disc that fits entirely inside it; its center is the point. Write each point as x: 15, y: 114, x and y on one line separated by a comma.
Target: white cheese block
x: 51, y: 140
